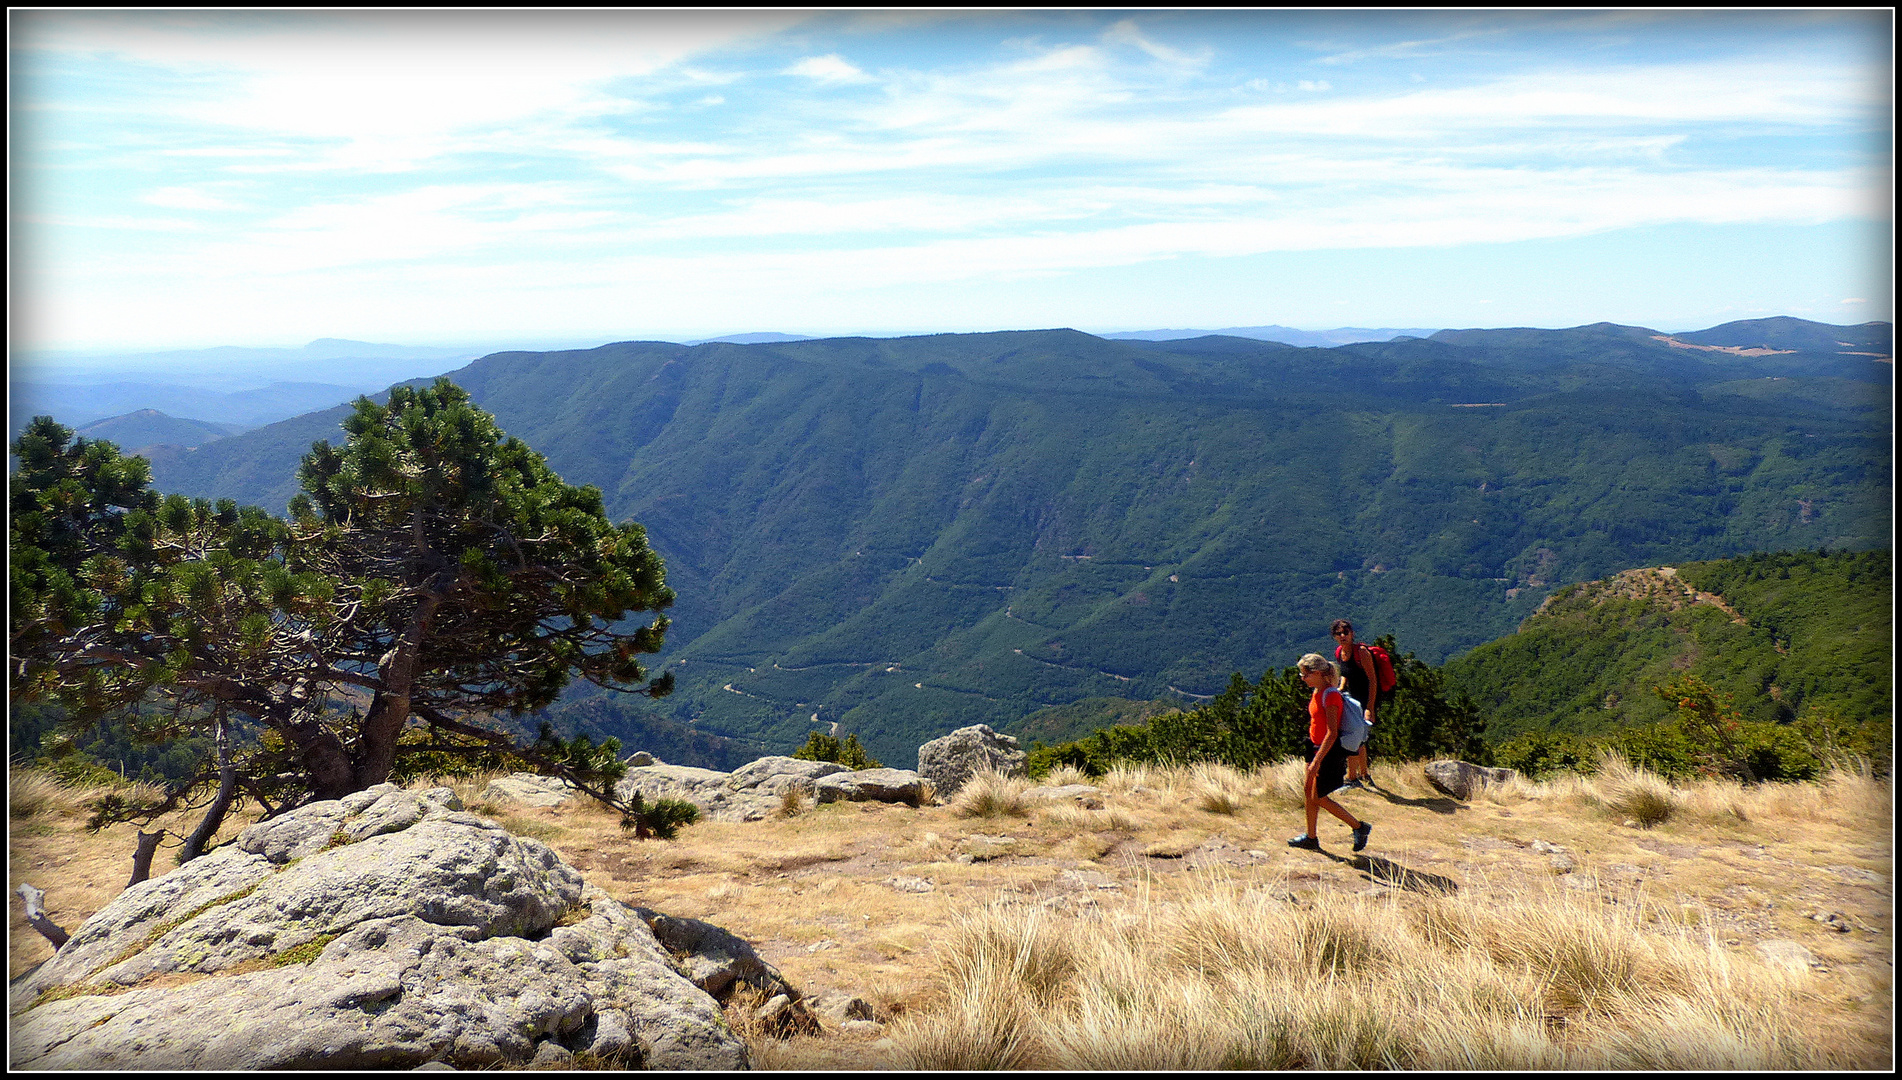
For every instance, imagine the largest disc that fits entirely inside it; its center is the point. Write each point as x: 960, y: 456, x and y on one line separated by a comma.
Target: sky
x: 197, y: 179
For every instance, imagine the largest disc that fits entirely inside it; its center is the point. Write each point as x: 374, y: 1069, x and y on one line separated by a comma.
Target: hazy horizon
x: 555, y: 344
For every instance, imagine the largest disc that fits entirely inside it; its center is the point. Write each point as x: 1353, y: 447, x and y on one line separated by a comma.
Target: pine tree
x: 433, y: 568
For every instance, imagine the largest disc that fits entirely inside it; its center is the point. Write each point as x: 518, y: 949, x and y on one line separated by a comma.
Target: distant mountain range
x: 910, y: 535
x: 144, y: 428
x: 1287, y: 335
x: 80, y: 406
x: 224, y: 385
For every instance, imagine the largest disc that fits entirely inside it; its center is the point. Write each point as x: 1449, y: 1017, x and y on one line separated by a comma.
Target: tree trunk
x: 227, y: 789
x: 324, y: 758
x: 376, y: 752
x: 142, y: 858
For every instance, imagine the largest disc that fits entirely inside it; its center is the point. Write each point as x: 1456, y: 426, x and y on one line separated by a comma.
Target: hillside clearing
x: 932, y: 915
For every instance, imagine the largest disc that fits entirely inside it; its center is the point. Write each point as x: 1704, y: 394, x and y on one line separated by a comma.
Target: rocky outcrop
x: 758, y: 788
x: 715, y: 959
x: 950, y: 761
x: 388, y: 929
x: 530, y: 789
x: 1462, y: 779
x: 874, y: 785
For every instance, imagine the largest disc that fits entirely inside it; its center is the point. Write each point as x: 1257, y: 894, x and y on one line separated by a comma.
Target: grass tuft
x: 1633, y: 793
x: 792, y: 802
x: 990, y: 794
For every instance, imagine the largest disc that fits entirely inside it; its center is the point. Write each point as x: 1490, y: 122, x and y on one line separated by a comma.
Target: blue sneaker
x: 1360, y: 835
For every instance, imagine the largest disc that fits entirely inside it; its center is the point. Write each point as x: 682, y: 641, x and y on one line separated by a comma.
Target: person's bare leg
x: 1334, y: 808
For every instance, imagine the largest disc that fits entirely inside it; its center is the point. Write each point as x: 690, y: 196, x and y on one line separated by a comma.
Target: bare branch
x: 37, y: 918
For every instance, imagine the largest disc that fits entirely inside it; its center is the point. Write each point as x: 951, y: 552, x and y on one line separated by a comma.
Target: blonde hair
x: 1314, y: 661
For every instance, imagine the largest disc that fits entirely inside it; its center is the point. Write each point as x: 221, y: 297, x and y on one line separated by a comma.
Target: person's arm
x: 1366, y: 658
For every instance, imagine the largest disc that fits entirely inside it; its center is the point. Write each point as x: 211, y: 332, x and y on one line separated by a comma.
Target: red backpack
x: 1383, y: 666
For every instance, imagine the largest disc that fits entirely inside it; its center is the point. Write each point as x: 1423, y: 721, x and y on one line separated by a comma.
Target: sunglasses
x: 1343, y: 633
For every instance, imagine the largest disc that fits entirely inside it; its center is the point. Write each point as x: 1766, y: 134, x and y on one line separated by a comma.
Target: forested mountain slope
x: 1781, y: 632
x: 909, y: 535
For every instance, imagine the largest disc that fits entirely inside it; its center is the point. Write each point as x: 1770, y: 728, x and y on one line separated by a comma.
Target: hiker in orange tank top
x: 1327, y: 762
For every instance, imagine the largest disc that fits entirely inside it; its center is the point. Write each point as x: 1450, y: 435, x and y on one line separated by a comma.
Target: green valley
x: 905, y: 536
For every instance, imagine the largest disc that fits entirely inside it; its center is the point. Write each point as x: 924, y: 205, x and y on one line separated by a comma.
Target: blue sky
x: 265, y: 178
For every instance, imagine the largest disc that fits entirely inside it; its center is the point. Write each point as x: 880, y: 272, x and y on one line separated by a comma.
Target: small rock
x: 821, y: 946
x: 1463, y: 779
x: 1090, y: 879
x: 1089, y: 798
x: 840, y: 1007
x: 1545, y: 848
x: 911, y: 884
x: 770, y: 1012
x: 861, y: 1027
x: 551, y: 1054
x: 434, y: 1066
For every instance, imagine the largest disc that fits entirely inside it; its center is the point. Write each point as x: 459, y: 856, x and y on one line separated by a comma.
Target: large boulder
x: 663, y: 781
x: 758, y: 788
x: 1463, y: 779
x: 874, y: 785
x: 531, y: 789
x: 952, y: 760
x: 386, y: 930
x: 771, y: 777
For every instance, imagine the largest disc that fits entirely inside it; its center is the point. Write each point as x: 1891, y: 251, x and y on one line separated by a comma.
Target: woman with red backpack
x: 1370, y: 678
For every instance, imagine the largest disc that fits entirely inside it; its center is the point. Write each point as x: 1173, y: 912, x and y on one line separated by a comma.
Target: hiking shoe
x: 1360, y: 835
x: 1345, y: 784
x: 1305, y: 841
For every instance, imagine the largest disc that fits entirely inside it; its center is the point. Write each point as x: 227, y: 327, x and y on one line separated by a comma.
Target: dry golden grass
x: 1232, y: 976
x: 1157, y: 932
x: 48, y: 845
x: 36, y: 793
x: 991, y: 794
x: 1218, y: 789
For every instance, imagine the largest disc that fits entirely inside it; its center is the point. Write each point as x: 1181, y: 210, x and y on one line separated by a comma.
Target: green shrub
x: 1537, y: 754
x: 1246, y: 726
x: 822, y: 747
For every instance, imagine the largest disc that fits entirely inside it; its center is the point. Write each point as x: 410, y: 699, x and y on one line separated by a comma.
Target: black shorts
x: 1333, y: 769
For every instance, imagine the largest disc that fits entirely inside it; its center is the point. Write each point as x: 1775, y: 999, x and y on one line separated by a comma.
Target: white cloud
x: 593, y: 164
x: 1125, y: 32
x: 831, y: 68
